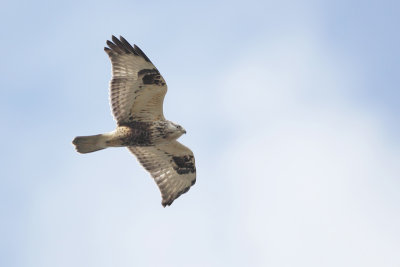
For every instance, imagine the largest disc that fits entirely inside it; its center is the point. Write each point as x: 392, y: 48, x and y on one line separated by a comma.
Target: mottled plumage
x: 137, y: 92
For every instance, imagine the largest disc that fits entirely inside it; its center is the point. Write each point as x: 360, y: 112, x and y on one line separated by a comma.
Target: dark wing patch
x: 172, y: 166
x: 184, y: 164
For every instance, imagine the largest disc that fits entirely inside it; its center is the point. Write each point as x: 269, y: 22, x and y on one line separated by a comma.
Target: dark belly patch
x: 139, y: 135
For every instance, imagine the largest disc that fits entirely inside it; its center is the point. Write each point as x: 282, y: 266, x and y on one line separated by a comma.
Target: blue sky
x: 291, y: 108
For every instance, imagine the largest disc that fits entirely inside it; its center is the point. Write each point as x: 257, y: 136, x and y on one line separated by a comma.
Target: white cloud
x: 310, y: 168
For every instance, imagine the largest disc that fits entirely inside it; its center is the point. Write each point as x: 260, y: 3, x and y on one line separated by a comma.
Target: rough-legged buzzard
x: 137, y: 92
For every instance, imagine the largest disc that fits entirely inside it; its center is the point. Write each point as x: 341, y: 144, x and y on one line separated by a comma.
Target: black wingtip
x: 128, y: 45
x: 114, y: 38
x: 141, y: 53
x: 112, y: 46
x: 122, y: 46
x: 166, y: 203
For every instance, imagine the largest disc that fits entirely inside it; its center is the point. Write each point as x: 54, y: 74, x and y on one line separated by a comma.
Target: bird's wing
x: 137, y: 88
x: 171, y: 165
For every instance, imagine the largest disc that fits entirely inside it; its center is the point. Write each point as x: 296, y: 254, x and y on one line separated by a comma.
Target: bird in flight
x: 137, y: 92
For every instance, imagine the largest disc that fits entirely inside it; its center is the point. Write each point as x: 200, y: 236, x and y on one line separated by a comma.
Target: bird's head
x: 181, y: 129
x: 175, y: 130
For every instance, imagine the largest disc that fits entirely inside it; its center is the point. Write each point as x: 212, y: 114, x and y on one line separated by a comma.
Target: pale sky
x: 291, y: 109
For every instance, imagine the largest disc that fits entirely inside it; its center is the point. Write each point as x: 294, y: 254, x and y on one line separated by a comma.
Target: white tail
x: 87, y: 144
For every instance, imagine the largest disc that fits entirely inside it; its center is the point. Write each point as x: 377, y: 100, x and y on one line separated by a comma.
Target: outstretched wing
x: 172, y: 166
x: 137, y: 88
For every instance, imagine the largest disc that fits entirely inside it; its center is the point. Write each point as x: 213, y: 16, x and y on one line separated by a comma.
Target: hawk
x: 137, y: 92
